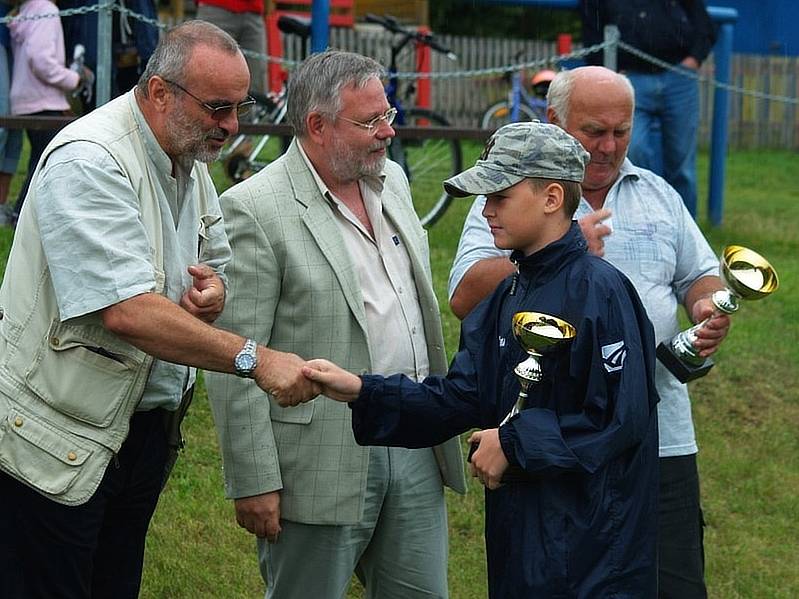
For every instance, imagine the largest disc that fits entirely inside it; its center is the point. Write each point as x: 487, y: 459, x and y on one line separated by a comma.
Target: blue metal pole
x: 320, y: 25
x: 718, y: 143
x: 516, y: 96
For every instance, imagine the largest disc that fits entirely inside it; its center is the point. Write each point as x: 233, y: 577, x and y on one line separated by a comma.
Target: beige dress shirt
x: 396, y: 335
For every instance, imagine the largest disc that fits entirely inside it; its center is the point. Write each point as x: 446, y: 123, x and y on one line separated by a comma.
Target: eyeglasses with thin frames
x: 372, y: 125
x: 218, y: 112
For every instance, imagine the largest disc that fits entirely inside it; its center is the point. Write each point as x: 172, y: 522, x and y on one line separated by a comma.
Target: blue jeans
x: 665, y: 130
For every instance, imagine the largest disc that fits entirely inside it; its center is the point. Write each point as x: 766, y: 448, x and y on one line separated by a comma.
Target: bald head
x: 599, y: 84
x: 595, y: 105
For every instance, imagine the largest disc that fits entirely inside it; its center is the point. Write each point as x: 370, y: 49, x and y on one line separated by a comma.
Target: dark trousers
x: 38, y: 138
x: 681, y: 552
x: 94, y: 550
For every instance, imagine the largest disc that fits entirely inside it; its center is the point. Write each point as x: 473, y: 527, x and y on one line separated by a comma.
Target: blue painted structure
x: 320, y: 25
x: 765, y: 27
x: 722, y: 52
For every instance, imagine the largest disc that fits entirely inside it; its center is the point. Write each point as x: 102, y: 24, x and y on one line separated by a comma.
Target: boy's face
x: 516, y: 216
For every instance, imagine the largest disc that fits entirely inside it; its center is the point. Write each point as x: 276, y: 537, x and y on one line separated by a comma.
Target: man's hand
x: 595, y: 231
x: 488, y: 462
x: 206, y: 298
x: 710, y: 336
x: 281, y: 375
x: 333, y: 381
x: 260, y: 514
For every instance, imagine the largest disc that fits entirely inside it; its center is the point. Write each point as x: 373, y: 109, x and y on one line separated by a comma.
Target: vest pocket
x: 87, y: 377
x: 39, y: 455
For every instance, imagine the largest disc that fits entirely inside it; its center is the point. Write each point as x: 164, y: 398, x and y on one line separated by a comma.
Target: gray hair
x: 315, y: 86
x: 559, y: 94
x: 176, y: 47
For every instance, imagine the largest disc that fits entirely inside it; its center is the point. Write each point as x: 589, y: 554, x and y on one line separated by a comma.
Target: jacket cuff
x: 507, y: 441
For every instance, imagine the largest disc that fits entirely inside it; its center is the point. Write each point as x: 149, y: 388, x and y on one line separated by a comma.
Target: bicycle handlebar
x: 390, y: 23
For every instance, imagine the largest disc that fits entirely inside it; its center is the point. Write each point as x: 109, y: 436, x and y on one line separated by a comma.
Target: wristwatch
x: 246, y: 360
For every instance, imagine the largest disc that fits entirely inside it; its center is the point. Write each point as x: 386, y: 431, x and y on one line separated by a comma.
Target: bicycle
x: 247, y: 154
x: 520, y: 105
x: 427, y: 162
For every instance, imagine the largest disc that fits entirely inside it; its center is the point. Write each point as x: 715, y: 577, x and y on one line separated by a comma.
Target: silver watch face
x: 245, y: 363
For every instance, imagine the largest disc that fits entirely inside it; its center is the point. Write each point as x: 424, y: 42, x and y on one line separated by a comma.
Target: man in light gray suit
x: 330, y: 261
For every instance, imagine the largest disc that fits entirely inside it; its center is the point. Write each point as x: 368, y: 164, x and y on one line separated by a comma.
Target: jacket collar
x: 542, y: 265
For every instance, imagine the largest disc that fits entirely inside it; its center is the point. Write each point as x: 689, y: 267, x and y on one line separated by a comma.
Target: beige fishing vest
x: 68, y: 389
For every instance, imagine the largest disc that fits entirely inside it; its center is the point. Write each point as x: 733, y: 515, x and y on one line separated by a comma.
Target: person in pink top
x: 40, y: 77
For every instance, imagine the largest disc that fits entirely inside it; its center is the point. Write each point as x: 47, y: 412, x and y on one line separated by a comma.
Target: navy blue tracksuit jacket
x: 585, y: 523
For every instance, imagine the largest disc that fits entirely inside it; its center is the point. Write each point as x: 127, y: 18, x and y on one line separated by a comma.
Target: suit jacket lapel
x: 322, y: 226
x: 395, y: 209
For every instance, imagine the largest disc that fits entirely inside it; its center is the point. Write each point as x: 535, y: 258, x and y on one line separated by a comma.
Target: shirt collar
x: 154, y: 150
x: 542, y: 265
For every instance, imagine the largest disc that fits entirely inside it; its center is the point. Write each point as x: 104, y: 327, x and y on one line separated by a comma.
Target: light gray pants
x: 248, y: 30
x: 398, y: 551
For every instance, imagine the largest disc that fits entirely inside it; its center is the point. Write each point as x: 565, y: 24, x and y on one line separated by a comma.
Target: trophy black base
x: 684, y: 372
x: 514, y: 474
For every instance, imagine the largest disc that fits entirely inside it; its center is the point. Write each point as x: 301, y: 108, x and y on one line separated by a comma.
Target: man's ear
x: 553, y: 200
x: 315, y: 124
x: 158, y: 93
x: 552, y: 117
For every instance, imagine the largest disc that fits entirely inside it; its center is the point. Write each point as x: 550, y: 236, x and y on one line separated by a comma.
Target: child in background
x: 583, y: 520
x: 40, y: 76
x: 10, y: 139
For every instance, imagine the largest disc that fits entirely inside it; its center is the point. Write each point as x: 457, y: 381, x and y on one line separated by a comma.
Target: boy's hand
x: 488, y: 462
x: 334, y: 382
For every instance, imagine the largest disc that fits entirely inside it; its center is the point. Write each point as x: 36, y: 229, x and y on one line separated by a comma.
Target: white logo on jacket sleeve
x: 613, y: 356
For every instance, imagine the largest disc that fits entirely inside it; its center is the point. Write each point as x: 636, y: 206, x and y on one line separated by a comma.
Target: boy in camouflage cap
x: 519, y: 151
x: 578, y: 518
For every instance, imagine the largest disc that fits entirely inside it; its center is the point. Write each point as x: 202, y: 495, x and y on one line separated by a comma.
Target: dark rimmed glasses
x: 218, y: 112
x: 372, y: 125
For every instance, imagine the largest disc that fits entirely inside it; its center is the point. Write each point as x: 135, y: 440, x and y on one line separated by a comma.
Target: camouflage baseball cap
x: 518, y: 151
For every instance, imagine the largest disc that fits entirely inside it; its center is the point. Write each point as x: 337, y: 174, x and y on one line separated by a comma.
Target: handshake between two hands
x: 292, y: 380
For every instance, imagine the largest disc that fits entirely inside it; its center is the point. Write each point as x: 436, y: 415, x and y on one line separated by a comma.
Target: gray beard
x: 187, y: 142
x: 347, y: 167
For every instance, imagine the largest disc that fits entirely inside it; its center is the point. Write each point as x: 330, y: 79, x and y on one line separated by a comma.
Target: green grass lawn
x: 746, y: 412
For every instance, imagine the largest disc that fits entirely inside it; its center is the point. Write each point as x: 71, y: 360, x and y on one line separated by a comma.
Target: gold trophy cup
x: 537, y: 334
x: 746, y: 275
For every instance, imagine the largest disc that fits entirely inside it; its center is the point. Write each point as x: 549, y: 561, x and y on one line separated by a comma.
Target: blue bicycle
x: 427, y: 162
x: 520, y: 105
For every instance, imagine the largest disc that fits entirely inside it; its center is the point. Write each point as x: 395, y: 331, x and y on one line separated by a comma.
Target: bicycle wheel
x: 499, y: 114
x: 427, y: 162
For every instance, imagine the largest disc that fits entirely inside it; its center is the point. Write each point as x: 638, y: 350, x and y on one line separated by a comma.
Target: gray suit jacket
x: 294, y: 288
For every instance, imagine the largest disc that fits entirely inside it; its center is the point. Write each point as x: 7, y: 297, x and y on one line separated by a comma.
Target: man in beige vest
x: 112, y: 284
x: 330, y: 261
